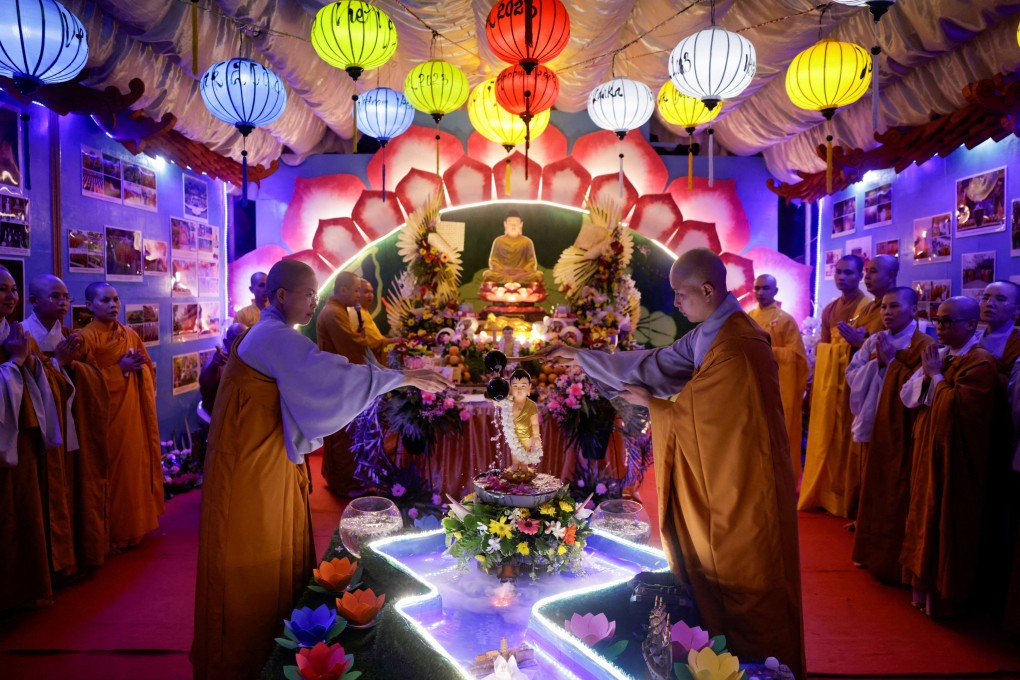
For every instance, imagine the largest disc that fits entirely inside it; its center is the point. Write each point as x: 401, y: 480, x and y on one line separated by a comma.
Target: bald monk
x: 249, y: 315
x: 340, y: 329
x: 28, y: 428
x: 791, y: 357
x: 829, y: 440
x: 279, y: 396
x: 85, y: 417
x: 376, y: 341
x: 209, y: 378
x: 883, y: 426
x: 726, y: 494
x: 134, y: 466
x: 954, y: 393
x: 512, y: 258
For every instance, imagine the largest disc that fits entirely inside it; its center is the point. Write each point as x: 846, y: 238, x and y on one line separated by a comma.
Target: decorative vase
x: 624, y: 518
x: 367, y: 519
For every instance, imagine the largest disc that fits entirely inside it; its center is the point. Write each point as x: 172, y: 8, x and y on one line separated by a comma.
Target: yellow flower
x: 566, y: 506
x: 547, y: 509
x: 562, y: 550
x: 707, y: 665
x: 480, y: 558
x: 467, y: 499
x: 499, y: 527
x: 523, y: 548
x: 457, y: 535
x: 524, y: 513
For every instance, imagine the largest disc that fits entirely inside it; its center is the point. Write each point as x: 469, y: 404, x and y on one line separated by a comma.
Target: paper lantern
x: 436, y: 87
x: 877, y: 7
x: 677, y: 108
x: 621, y: 105
x: 353, y: 35
x: 498, y: 125
x: 245, y: 94
x: 526, y: 94
x: 713, y: 65
x: 527, y: 32
x: 828, y: 75
x: 384, y: 113
x: 40, y: 43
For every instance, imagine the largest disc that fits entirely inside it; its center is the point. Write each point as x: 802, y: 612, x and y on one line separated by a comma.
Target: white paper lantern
x: 712, y: 65
x: 40, y: 42
x: 384, y: 113
x: 243, y: 93
x: 877, y: 7
x: 621, y: 105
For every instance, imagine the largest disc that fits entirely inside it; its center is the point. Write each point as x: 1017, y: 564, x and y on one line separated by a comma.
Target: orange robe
x: 134, y: 469
x: 336, y: 333
x: 788, y: 349
x: 947, y: 480
x: 726, y: 496
x: 375, y: 340
x: 249, y: 315
x: 885, y: 484
x: 826, y: 460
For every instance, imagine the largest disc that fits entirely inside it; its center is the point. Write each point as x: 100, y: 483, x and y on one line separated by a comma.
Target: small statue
x: 512, y: 259
x: 524, y: 417
x: 657, y: 649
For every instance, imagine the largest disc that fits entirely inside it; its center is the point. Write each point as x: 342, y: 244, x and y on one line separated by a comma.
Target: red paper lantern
x: 525, y: 94
x: 527, y: 32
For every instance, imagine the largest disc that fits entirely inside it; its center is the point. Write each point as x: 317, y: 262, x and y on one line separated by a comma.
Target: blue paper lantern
x: 40, y: 43
x: 245, y: 94
x: 384, y: 113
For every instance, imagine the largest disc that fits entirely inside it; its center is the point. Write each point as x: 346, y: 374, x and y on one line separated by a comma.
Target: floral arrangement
x: 584, y: 415
x: 182, y: 467
x: 421, y: 417
x: 548, y: 538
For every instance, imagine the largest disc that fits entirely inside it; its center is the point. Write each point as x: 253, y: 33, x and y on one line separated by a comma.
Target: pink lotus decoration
x: 322, y: 662
x: 590, y: 628
x: 685, y: 639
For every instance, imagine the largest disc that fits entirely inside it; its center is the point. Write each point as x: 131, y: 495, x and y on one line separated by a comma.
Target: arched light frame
x: 620, y: 105
x: 41, y: 42
x: 244, y: 93
x: 353, y: 35
x: 384, y: 113
x: 713, y: 65
x: 828, y: 75
x: 436, y: 87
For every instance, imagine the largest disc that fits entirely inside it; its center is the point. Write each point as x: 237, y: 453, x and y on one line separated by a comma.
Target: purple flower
x: 600, y: 488
x: 310, y: 626
x: 437, y: 499
x: 398, y: 490
x: 413, y: 513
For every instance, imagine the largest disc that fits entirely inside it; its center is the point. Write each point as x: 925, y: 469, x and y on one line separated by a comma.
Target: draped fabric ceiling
x: 930, y: 50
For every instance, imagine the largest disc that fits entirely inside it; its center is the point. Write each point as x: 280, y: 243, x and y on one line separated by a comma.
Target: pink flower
x: 437, y: 499
x: 398, y: 490
x: 576, y: 390
x: 572, y: 403
x: 465, y: 415
x: 448, y: 403
x: 413, y: 513
x: 428, y: 397
x: 685, y: 639
x: 322, y: 662
x: 600, y: 488
x: 591, y: 628
x: 528, y: 526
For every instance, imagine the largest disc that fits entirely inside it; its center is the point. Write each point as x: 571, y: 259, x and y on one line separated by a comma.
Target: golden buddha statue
x: 512, y: 258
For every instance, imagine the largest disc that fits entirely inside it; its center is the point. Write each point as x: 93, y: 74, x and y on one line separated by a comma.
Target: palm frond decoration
x: 433, y: 261
x: 603, y: 249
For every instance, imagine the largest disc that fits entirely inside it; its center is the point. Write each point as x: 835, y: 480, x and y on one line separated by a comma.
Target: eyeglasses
x: 946, y: 320
x: 58, y: 297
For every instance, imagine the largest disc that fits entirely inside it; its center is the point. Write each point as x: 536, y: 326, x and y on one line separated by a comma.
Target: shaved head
x: 906, y: 296
x: 288, y: 274
x: 957, y: 321
x: 961, y: 307
x: 257, y: 278
x: 347, y: 289
x: 999, y: 305
x: 698, y: 280
x: 293, y: 290
x: 898, y: 307
x: 235, y: 331
x: 259, y: 289
x: 880, y: 275
x: 49, y: 299
x: 346, y: 280
x: 44, y: 284
x: 765, y: 289
x: 94, y: 289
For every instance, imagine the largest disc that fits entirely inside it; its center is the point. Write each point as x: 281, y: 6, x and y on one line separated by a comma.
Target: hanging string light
x: 527, y: 32
x: 826, y: 76
x: 620, y: 105
x: 356, y: 37
x: 526, y: 95
x: 384, y: 113
x: 247, y: 95
x: 498, y: 125
x: 677, y: 108
x: 713, y: 64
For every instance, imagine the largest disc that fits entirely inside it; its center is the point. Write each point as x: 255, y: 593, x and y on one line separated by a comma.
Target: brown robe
x: 726, y: 496
x: 885, y: 484
x: 255, y: 542
x: 947, y: 481
x: 134, y: 458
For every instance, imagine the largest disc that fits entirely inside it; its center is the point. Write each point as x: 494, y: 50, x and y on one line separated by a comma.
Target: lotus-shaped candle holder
x: 308, y: 627
x: 360, y: 607
x: 590, y: 628
x: 684, y: 639
x: 337, y: 575
x: 707, y: 665
x: 321, y: 662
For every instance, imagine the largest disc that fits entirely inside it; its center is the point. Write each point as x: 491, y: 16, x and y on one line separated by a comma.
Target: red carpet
x: 133, y: 618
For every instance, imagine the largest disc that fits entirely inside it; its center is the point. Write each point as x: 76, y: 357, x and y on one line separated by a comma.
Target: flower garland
x: 517, y: 451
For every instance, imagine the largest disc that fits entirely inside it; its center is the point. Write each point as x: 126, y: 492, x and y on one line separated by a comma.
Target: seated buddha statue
x: 513, y: 266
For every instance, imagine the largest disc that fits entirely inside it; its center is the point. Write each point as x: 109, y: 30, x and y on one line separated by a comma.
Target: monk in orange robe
x: 375, y: 340
x: 883, y: 427
x: 135, y: 471
x: 791, y: 357
x: 278, y: 397
x: 249, y: 315
x: 726, y: 494
x: 829, y: 440
x: 954, y: 392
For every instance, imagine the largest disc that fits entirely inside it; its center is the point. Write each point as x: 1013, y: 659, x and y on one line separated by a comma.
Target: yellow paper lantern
x: 436, y: 87
x: 353, y: 35
x: 828, y: 75
x: 677, y: 108
x: 497, y: 124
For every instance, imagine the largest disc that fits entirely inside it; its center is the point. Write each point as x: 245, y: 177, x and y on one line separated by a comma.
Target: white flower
x: 506, y: 670
x: 556, y: 529
x: 482, y: 529
x: 493, y: 545
x: 582, y: 512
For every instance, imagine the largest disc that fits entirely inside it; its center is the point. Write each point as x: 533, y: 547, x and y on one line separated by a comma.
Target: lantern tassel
x: 711, y: 158
x: 382, y: 151
x: 194, y: 37
x: 437, y: 154
x: 527, y: 146
x: 828, y: 164
x: 354, y: 120
x: 506, y: 187
x: 690, y: 162
x: 244, y: 178
x: 621, y: 177
x: 24, y: 145
x: 875, y: 51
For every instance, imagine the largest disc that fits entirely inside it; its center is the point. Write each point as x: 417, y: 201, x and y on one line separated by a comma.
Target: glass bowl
x: 623, y: 518
x: 367, y: 519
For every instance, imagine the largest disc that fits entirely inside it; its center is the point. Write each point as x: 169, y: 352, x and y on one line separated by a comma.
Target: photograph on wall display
x: 1014, y: 248
x: 209, y: 319
x: 205, y: 355
x: 933, y: 241
x: 123, y: 254
x: 861, y: 247
x: 86, y: 252
x: 139, y: 186
x: 930, y: 294
x: 10, y: 151
x: 981, y: 203
x: 977, y: 270
x: 890, y: 247
x: 144, y: 320
x: 13, y: 208
x: 196, y: 198
x: 878, y: 206
x: 15, y: 233
x: 80, y: 317
x: 183, y: 237
x: 208, y: 279
x: 100, y: 175
x: 844, y: 217
x: 156, y: 257
x: 17, y: 270
x: 186, y: 369
x: 185, y: 324
x: 208, y: 242
x: 831, y: 258
x: 184, y: 272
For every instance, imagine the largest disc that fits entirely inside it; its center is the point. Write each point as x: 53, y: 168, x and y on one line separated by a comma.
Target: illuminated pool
x: 465, y: 614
